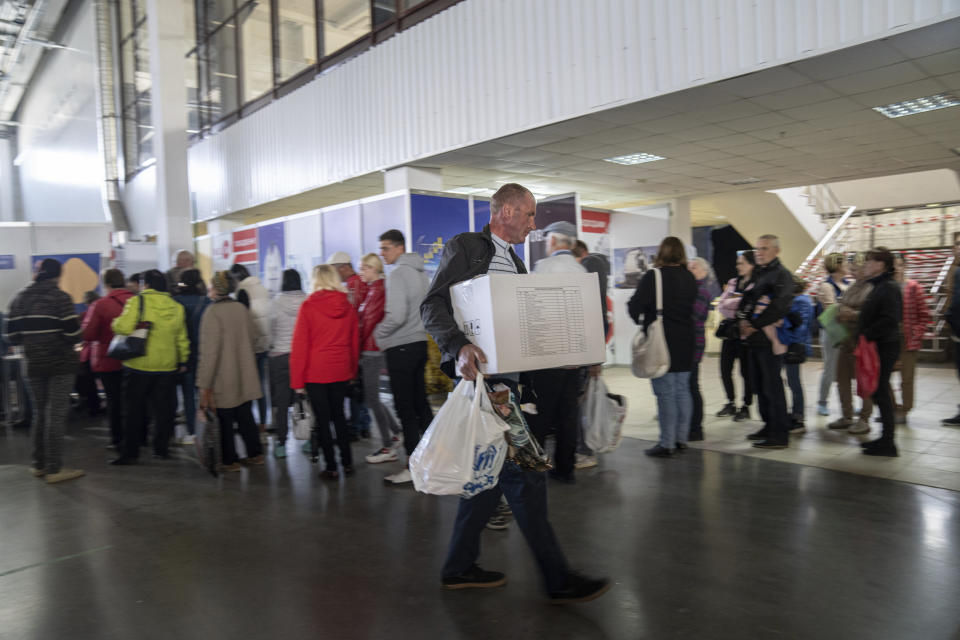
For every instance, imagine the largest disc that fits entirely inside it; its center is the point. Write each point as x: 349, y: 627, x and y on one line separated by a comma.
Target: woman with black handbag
x: 733, y: 348
x: 795, y: 332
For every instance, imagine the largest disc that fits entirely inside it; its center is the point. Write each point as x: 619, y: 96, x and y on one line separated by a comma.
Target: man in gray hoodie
x: 401, y: 336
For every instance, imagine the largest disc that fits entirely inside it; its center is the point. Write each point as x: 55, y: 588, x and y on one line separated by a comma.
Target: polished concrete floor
x: 707, y: 545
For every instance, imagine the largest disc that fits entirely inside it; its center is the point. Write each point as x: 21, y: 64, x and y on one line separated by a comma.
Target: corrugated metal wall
x: 487, y: 68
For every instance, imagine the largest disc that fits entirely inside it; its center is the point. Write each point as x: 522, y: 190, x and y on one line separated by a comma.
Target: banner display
x: 303, y: 246
x: 481, y: 218
x: 245, y: 246
x: 270, y: 239
x: 80, y: 272
x: 434, y: 221
x: 559, y: 210
x: 222, y: 251
x: 629, y: 265
x: 379, y: 216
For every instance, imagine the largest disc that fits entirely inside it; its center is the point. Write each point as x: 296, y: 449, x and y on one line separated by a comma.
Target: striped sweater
x: 42, y: 318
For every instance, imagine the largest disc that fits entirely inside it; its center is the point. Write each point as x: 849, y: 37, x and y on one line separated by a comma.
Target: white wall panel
x: 488, y: 68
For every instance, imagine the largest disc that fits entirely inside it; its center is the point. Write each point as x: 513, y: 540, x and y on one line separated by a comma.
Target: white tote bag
x: 302, y: 418
x: 651, y: 359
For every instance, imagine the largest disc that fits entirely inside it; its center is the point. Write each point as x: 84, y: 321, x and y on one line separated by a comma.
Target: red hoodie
x: 97, y: 332
x: 326, y: 341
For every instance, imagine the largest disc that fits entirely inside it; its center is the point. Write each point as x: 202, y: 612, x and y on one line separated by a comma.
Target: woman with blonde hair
x: 372, y: 359
x: 323, y: 359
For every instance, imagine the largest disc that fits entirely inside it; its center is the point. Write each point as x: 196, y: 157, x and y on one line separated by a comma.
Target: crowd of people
x: 221, y: 349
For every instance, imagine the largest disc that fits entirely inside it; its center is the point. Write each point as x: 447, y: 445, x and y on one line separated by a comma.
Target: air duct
x: 107, y: 121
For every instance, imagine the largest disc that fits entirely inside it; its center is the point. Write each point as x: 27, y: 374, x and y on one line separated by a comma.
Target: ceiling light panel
x: 918, y: 105
x: 634, y: 158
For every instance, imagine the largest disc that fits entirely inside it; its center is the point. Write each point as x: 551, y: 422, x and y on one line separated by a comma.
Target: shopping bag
x: 651, y: 359
x: 490, y: 448
x: 836, y: 330
x: 134, y: 345
x: 443, y: 461
x: 302, y: 418
x: 868, y: 367
x: 602, y: 417
x: 208, y: 442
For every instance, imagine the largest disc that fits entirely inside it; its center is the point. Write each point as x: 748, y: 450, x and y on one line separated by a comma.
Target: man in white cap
x: 356, y: 288
x: 558, y: 389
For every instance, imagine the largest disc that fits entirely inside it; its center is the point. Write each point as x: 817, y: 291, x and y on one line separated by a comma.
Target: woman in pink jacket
x: 733, y: 348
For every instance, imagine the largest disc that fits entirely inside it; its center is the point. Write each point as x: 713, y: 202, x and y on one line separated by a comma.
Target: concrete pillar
x: 7, y: 180
x: 169, y: 113
x: 680, y: 220
x: 412, y: 178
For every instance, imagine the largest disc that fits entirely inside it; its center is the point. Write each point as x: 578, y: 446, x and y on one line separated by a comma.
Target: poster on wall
x: 80, y: 272
x: 629, y: 265
x: 559, y: 210
x: 481, y: 218
x: 245, y: 246
x: 303, y: 247
x: 270, y: 240
x: 434, y: 221
x: 222, y: 251
x: 595, y: 230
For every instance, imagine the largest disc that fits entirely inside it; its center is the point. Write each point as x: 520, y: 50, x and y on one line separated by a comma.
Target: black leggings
x: 326, y: 400
x: 888, y: 352
x: 731, y: 351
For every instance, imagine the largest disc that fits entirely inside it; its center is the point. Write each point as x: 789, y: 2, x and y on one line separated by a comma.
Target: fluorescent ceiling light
x: 634, y: 158
x: 918, y: 105
x: 935, y: 204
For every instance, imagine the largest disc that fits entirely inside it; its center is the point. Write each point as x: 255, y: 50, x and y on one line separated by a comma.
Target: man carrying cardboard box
x: 512, y: 212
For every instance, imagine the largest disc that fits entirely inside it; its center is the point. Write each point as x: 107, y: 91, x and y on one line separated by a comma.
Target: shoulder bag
x: 135, y: 344
x: 651, y: 359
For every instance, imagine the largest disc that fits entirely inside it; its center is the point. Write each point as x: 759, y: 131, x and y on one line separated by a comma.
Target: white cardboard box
x: 531, y: 321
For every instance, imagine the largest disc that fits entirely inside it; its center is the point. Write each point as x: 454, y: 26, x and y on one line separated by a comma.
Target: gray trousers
x: 281, y: 396
x: 386, y: 423
x: 51, y: 401
x: 829, y: 374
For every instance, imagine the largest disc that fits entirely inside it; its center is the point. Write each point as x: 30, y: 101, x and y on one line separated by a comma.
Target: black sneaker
x: 656, y: 451
x: 729, y: 409
x: 743, y: 413
x: 885, y: 450
x: 580, y: 589
x: 759, y: 435
x: 695, y: 436
x: 770, y: 444
x: 951, y: 422
x: 681, y: 447
x: 475, y: 578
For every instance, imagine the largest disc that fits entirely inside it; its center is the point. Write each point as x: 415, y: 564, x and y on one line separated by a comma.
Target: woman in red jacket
x: 372, y: 359
x: 323, y: 359
x: 97, y: 332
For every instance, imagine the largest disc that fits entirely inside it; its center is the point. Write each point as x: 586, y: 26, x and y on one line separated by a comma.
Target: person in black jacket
x: 679, y: 291
x: 952, y: 316
x: 880, y: 323
x: 762, y: 307
x: 512, y: 213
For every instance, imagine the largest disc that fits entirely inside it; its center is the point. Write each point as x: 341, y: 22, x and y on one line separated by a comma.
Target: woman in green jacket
x: 153, y: 376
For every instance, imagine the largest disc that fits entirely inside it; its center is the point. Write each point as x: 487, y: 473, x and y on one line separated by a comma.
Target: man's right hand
x: 467, y: 361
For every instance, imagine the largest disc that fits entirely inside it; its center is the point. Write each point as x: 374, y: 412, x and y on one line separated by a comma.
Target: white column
x: 680, y: 220
x: 168, y: 111
x: 6, y: 181
x: 412, y: 178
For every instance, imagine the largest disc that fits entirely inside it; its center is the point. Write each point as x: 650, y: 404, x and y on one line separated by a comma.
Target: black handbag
x: 727, y: 329
x: 355, y: 387
x: 796, y: 353
x: 133, y: 345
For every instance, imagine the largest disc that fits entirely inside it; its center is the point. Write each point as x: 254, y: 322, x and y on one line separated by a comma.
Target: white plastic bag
x: 490, y: 448
x: 602, y: 417
x: 302, y: 418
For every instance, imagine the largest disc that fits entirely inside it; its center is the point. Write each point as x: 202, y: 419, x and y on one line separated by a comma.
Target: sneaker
x: 236, y: 466
x: 770, y: 444
x: 382, y: 455
x: 63, y: 475
x: 884, y: 450
x: 862, y: 426
x: 580, y: 589
x: 255, y: 461
x: 951, y: 422
x: 400, y: 477
x: 681, y: 447
x: 743, y: 413
x: 474, y: 578
x: 656, y: 451
x: 396, y: 441
x: 758, y: 435
x: 729, y: 409
x: 187, y: 440
x: 798, y: 428
x: 279, y: 451
x: 499, y: 522
x: 584, y: 462
x: 695, y: 436
x: 840, y: 424
x: 822, y: 409
x: 37, y: 473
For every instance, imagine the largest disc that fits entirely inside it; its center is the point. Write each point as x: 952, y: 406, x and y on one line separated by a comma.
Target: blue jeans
x: 526, y: 492
x: 674, y: 407
x: 796, y: 390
